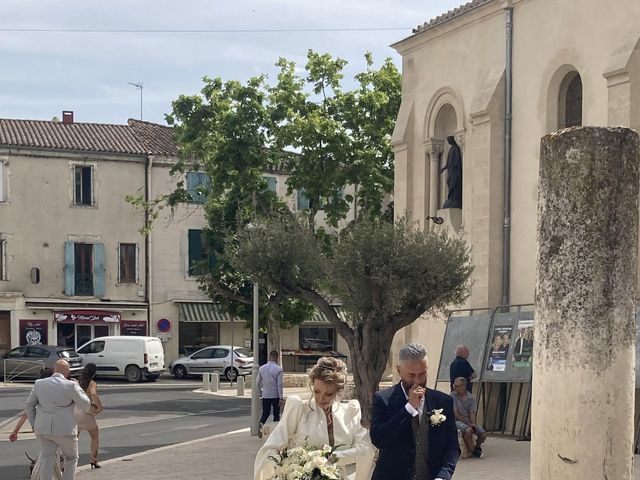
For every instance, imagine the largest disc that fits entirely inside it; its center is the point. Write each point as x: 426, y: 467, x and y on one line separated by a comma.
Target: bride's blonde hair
x: 331, y: 371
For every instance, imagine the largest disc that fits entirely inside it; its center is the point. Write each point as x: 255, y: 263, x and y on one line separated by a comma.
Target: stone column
x: 433, y: 149
x: 584, y: 354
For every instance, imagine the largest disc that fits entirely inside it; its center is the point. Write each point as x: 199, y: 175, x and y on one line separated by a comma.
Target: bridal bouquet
x: 306, y: 463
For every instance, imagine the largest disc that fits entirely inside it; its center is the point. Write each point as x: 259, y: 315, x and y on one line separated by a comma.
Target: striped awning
x: 320, y: 317
x: 204, y: 312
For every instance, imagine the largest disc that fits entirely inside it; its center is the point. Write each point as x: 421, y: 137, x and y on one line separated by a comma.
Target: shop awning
x: 204, y: 312
x: 320, y: 317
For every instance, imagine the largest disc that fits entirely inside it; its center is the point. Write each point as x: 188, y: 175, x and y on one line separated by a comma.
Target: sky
x: 45, y: 72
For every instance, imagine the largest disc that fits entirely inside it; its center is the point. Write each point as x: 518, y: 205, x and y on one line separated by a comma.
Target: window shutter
x: 137, y: 260
x: 98, y: 269
x: 2, y: 199
x: 192, y: 183
x: 303, y: 201
x: 272, y: 183
x: 69, y: 269
x: 195, y: 250
x: 119, y: 262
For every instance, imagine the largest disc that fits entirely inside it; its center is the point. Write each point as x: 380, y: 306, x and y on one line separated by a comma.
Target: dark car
x: 27, y: 361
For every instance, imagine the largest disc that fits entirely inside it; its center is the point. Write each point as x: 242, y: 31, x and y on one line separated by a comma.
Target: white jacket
x: 303, y: 423
x: 50, y: 405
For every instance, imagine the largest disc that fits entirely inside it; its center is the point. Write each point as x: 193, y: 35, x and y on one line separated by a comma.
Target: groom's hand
x: 416, y: 394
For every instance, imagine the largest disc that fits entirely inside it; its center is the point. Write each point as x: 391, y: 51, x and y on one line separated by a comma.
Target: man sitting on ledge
x: 464, y: 408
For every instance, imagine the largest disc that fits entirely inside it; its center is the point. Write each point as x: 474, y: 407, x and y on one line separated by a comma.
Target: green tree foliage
x: 385, y: 274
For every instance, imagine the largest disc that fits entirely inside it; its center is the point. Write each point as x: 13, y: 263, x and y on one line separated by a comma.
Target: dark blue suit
x: 392, y: 432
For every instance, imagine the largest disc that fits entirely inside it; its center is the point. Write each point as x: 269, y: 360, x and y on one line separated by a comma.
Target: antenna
x: 139, y: 86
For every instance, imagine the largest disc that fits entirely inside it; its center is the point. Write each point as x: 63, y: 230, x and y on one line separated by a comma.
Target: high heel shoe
x: 95, y: 464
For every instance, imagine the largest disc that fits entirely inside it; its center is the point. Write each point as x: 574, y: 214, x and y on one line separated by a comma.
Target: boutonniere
x: 436, y: 417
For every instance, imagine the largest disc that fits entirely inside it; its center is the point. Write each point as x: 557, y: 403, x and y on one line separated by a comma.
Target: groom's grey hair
x: 412, y: 352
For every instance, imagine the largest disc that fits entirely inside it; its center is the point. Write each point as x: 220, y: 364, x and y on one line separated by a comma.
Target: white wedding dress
x: 303, y: 423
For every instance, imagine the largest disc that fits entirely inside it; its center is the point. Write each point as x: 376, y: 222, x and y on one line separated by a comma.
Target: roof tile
x: 449, y: 15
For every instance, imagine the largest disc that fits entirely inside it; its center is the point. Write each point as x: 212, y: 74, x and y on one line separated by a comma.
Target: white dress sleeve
x: 361, y: 450
x: 263, y: 466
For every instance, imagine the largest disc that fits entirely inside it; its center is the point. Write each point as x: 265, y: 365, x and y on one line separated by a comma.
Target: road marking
x: 166, y: 447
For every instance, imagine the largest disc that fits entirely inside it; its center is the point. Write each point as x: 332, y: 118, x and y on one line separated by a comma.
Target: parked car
x: 27, y: 361
x: 214, y: 359
x: 125, y: 355
x: 320, y: 344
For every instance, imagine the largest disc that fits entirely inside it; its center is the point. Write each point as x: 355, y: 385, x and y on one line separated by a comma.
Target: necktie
x: 421, y: 465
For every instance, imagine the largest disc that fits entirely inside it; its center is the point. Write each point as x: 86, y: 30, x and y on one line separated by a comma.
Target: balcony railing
x: 84, y: 284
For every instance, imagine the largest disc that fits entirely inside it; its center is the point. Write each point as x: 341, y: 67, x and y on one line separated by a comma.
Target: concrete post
x: 584, y: 355
x: 215, y: 382
x: 206, y: 381
x: 240, y: 385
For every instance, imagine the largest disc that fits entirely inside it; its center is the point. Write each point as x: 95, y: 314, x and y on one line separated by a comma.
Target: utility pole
x: 139, y: 86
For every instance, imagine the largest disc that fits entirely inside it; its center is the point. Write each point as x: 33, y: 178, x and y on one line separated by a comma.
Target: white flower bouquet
x: 306, y: 463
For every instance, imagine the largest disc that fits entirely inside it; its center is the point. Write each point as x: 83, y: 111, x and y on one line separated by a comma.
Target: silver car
x: 214, y: 359
x: 28, y: 360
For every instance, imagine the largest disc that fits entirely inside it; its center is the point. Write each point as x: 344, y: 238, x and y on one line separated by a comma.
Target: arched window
x: 570, y: 101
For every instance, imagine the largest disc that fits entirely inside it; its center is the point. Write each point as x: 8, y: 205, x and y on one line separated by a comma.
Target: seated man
x: 464, y: 408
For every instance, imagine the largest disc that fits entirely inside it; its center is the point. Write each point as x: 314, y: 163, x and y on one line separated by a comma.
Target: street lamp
x: 255, y: 394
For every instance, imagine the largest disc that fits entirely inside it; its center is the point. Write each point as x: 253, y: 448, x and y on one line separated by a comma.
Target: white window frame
x: 94, y: 183
x: 137, y: 263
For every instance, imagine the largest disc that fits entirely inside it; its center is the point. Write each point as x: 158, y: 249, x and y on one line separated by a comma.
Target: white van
x: 126, y: 355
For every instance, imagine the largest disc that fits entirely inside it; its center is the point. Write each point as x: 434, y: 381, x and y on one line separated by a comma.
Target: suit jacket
x: 392, y: 432
x: 50, y: 405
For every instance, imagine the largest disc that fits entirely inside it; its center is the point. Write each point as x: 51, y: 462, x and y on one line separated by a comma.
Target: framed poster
x: 133, y: 327
x: 522, y: 350
x: 499, y: 348
x: 34, y: 332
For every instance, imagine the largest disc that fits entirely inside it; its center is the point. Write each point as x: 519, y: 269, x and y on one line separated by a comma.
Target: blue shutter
x: 303, y: 201
x: 98, y: 270
x: 69, y: 269
x: 195, y: 251
x: 192, y: 183
x: 272, y: 184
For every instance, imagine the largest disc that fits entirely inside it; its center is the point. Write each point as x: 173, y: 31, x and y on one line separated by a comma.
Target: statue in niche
x: 454, y: 178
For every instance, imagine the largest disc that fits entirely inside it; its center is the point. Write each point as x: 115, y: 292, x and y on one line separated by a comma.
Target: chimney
x: 67, y: 117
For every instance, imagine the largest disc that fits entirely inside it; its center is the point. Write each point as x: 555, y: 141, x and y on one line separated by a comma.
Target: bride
x: 321, y: 420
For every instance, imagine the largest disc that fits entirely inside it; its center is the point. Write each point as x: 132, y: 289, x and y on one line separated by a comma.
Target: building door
x: 5, y: 332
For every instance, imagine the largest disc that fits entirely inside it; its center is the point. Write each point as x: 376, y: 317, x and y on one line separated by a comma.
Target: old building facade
x: 498, y: 75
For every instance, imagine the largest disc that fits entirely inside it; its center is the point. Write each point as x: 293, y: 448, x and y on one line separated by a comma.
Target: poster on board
x: 522, y: 350
x: 34, y: 332
x: 499, y: 349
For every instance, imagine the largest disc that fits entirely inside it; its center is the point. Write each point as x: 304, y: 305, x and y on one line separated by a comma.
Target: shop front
x: 76, y: 327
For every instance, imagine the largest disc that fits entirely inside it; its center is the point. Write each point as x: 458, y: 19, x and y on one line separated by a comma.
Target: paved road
x: 136, y: 418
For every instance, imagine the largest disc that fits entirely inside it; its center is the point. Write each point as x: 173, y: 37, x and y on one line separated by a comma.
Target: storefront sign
x: 34, y: 332
x: 86, y: 316
x: 133, y: 327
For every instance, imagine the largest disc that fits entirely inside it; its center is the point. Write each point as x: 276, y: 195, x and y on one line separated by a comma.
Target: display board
x: 509, y: 349
x: 469, y: 330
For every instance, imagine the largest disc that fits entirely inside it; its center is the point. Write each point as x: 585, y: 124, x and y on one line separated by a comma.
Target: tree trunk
x: 273, y: 335
x: 369, y: 356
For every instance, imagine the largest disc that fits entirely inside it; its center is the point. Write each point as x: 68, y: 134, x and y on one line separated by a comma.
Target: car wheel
x: 231, y: 374
x: 179, y: 371
x: 133, y: 374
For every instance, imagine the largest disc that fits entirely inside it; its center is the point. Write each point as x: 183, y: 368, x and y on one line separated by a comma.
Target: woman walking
x: 87, y: 420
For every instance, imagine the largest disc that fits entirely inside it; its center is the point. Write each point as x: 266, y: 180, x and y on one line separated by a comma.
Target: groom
x: 415, y: 442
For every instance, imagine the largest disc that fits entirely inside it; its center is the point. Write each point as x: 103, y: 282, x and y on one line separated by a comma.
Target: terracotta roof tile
x: 135, y: 138
x: 450, y: 14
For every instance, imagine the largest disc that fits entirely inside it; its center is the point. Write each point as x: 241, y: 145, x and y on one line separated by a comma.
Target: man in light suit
x: 415, y: 442
x: 50, y: 411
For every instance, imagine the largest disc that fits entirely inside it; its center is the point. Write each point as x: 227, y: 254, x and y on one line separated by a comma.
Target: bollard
x: 215, y: 382
x: 240, y: 381
x: 206, y: 381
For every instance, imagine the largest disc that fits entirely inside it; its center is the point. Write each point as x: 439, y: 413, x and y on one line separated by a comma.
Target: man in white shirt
x: 50, y: 411
x: 270, y: 385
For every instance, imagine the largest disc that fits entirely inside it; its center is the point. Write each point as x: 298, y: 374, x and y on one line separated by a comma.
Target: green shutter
x: 272, y: 183
x: 195, y: 251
